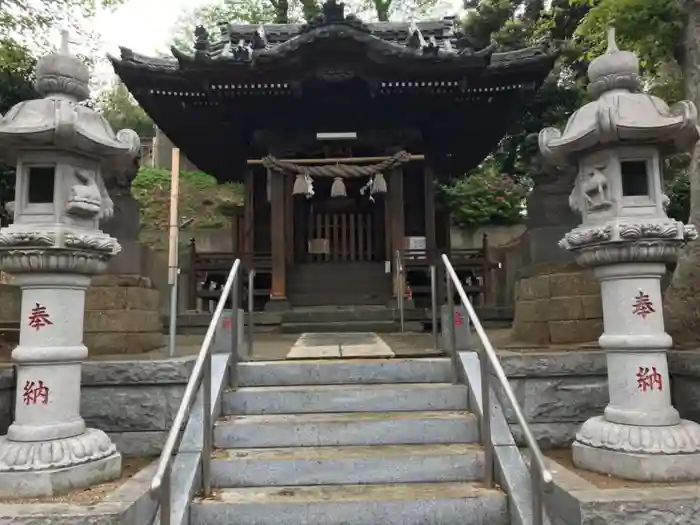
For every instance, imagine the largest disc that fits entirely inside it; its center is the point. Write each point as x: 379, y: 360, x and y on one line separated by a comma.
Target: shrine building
x: 341, y: 131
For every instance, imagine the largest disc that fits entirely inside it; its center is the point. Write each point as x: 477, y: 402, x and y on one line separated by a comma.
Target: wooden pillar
x: 249, y: 219
x: 289, y: 220
x: 278, y: 291
x: 431, y: 243
x: 396, y: 216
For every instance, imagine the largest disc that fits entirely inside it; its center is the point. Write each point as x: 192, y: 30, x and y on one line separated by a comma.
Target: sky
x: 142, y: 25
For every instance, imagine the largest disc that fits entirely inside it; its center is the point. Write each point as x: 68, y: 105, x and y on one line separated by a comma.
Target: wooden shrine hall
x: 341, y: 131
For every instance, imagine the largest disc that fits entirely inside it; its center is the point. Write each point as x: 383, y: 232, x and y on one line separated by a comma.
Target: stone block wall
x: 10, y: 308
x: 557, y: 392
x: 122, y: 315
x: 557, y: 304
x: 135, y: 402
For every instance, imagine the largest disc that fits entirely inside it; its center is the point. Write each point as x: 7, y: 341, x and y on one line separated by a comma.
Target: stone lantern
x: 61, y: 150
x: 618, y: 143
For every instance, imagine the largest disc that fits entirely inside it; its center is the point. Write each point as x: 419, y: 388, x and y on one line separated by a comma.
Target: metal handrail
x: 201, y: 375
x: 540, y: 476
x: 400, y: 282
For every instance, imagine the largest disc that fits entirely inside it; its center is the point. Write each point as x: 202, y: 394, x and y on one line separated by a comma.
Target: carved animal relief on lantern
x: 87, y: 199
x: 595, y: 190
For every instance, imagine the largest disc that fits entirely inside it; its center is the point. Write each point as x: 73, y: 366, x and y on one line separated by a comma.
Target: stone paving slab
x: 577, y: 501
x: 314, y: 352
x: 128, y: 503
x: 337, y: 345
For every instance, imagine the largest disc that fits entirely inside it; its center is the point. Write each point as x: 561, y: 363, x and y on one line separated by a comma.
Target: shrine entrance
x: 340, y: 229
x: 340, y: 247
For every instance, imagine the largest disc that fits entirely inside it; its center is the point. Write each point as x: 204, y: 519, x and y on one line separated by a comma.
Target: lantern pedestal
x: 640, y: 436
x: 48, y: 449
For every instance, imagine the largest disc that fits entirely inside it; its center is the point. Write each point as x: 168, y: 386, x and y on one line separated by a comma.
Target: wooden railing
x: 472, y: 264
x: 214, y: 267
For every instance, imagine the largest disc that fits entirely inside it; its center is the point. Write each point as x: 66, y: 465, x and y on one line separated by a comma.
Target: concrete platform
x: 333, y: 345
x: 396, y: 504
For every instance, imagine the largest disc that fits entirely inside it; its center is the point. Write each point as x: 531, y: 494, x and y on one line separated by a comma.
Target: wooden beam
x: 339, y: 160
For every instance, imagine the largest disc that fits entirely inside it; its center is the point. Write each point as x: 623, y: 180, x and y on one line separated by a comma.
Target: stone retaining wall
x: 135, y: 401
x: 122, y: 315
x: 557, y: 304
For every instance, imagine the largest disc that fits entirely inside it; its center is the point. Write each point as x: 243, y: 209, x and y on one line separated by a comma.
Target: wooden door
x: 341, y: 237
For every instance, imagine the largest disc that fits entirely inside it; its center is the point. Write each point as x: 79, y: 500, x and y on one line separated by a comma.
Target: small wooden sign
x: 319, y: 246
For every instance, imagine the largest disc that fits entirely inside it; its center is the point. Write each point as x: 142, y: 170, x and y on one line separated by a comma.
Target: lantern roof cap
x: 621, y: 114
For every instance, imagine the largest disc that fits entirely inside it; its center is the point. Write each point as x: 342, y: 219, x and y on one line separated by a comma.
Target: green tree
x: 666, y: 35
x: 122, y: 111
x: 16, y: 84
x: 515, y: 24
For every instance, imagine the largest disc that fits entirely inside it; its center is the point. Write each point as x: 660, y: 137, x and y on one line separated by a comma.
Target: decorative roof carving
x: 620, y: 113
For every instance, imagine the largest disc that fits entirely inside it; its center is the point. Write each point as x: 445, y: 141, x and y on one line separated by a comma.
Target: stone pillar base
x: 639, y: 453
x: 30, y: 469
x: 122, y: 315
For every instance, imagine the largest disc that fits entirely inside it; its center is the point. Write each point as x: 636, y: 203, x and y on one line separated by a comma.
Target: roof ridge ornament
x: 201, y: 42
x: 333, y: 12
x: 613, y: 70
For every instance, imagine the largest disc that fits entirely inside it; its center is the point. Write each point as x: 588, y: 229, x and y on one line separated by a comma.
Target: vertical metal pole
x: 251, y: 300
x: 452, y: 333
x: 206, y: 426
x: 536, y: 482
x: 433, y: 304
x: 486, y: 438
x: 165, y: 509
x: 172, y: 327
x: 235, y: 327
x: 451, y: 317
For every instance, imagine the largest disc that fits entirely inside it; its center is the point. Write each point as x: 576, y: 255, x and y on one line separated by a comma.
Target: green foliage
x: 485, y: 197
x: 201, y: 197
x: 30, y: 21
x: 122, y: 111
x: 652, y: 29
x: 678, y: 192
x: 16, y: 84
x: 677, y: 186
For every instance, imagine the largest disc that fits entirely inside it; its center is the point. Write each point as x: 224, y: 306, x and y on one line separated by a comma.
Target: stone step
x: 395, y: 504
x: 340, y: 429
x: 355, y: 371
x: 318, y: 315
x: 347, y: 465
x: 345, y: 398
x: 382, y: 327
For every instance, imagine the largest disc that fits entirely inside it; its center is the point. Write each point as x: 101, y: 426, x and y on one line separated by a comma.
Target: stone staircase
x: 351, y: 442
